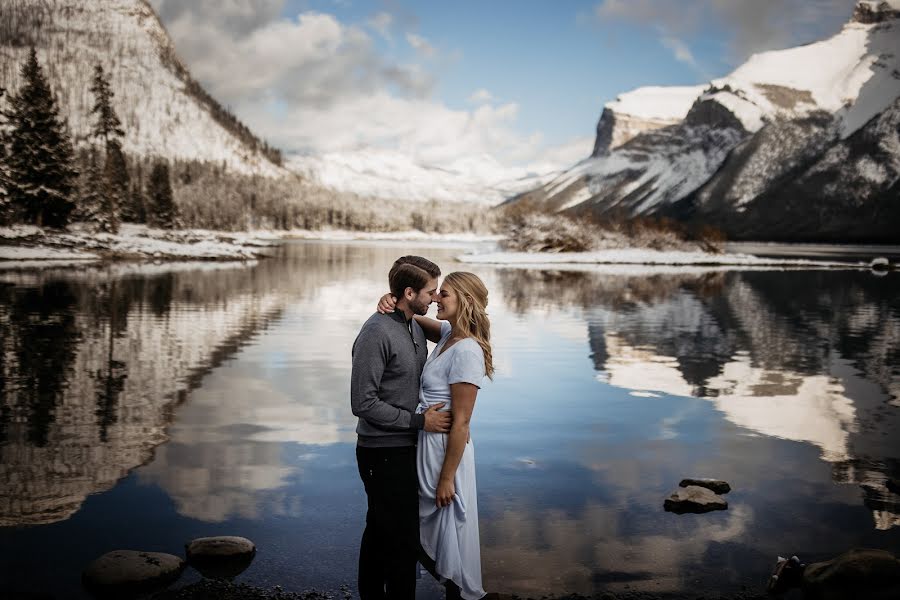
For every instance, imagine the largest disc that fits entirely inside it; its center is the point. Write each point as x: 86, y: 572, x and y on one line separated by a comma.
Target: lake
x: 145, y: 405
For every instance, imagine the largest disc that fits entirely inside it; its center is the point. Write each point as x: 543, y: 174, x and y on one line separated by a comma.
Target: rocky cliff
x: 795, y: 145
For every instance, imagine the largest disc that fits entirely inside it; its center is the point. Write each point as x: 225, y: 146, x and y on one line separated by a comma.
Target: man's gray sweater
x: 388, y: 357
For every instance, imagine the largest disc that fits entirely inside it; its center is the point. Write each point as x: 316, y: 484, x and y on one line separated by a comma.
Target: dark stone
x: 716, y: 485
x: 221, y: 557
x: 694, y: 499
x: 125, y: 572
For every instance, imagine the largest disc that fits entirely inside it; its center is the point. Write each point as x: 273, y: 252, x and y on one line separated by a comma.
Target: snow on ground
x: 339, y: 235
x: 28, y: 243
x: 18, y: 253
x: 640, y: 256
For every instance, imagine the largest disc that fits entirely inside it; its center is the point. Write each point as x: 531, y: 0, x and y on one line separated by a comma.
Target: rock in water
x: 124, y: 572
x: 716, y: 485
x: 694, y: 499
x: 220, y: 557
x: 857, y: 573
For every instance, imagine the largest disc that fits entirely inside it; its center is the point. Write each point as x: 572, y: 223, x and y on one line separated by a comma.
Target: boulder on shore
x: 694, y: 499
x: 716, y: 485
x: 123, y: 572
x: 875, y: 572
x: 220, y: 557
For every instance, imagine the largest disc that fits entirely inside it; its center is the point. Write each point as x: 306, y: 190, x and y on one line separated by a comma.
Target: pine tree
x: 40, y: 156
x: 163, y: 211
x: 108, y: 125
x: 90, y: 191
x: 115, y: 173
x: 135, y: 209
x: 5, y: 212
x: 115, y: 179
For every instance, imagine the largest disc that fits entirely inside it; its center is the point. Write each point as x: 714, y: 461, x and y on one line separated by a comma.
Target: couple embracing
x: 414, y: 454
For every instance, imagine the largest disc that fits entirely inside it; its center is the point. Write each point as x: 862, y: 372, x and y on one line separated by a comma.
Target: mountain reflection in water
x: 144, y: 405
x: 813, y: 358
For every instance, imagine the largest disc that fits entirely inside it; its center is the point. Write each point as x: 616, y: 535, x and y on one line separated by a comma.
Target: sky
x: 519, y: 82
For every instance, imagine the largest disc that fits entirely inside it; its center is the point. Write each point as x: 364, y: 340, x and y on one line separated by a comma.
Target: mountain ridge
x: 745, y: 133
x: 165, y: 112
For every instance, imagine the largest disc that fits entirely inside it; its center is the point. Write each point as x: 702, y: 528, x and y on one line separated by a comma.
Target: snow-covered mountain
x: 640, y: 110
x: 164, y: 111
x: 795, y: 144
x: 381, y: 173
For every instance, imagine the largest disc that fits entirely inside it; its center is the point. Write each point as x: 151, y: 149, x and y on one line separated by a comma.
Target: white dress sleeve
x: 466, y: 364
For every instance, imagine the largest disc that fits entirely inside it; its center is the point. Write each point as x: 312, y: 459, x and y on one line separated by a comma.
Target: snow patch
x: 667, y: 103
x: 639, y: 256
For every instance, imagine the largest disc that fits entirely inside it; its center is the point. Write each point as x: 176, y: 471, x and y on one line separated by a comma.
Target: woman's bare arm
x: 463, y: 401
x: 431, y: 328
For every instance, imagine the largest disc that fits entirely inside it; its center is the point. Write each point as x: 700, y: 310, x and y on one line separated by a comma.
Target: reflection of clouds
x: 806, y: 408
x: 528, y: 553
x: 226, y: 457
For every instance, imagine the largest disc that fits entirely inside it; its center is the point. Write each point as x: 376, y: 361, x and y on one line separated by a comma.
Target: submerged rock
x: 716, y: 485
x: 694, y: 499
x: 124, y: 572
x: 220, y: 557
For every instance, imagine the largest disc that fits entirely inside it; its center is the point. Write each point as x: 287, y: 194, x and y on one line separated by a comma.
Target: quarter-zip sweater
x: 388, y: 357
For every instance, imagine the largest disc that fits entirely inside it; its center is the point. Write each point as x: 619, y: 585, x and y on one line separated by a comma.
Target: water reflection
x: 93, y: 367
x: 223, y: 390
x: 815, y: 361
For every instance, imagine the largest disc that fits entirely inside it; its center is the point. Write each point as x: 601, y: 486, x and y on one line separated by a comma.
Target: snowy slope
x: 379, y: 173
x: 163, y: 111
x: 851, y: 74
x: 749, y: 133
x: 640, y: 110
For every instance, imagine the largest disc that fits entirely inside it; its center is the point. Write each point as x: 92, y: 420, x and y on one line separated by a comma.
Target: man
x: 388, y: 357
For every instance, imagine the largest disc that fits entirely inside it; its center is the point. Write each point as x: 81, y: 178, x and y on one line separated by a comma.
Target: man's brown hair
x: 411, y: 272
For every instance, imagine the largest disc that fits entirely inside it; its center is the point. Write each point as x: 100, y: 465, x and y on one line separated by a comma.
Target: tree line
x: 45, y: 182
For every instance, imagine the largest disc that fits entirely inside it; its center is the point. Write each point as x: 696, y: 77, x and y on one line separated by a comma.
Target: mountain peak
x: 875, y: 11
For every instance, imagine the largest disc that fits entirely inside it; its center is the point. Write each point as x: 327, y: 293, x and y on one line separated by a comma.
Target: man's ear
x: 409, y: 293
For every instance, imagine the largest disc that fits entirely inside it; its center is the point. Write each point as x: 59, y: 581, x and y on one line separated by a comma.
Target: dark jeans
x: 390, y: 543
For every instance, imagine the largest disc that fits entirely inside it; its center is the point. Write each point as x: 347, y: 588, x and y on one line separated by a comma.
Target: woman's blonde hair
x: 471, y: 317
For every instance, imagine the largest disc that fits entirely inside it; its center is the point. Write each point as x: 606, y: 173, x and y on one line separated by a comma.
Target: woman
x: 448, y: 509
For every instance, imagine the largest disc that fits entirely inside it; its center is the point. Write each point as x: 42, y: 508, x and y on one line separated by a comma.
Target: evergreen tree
x: 40, y: 156
x: 5, y: 215
x: 115, y: 173
x: 135, y: 209
x: 163, y: 211
x: 115, y: 179
x: 108, y: 125
x: 90, y: 191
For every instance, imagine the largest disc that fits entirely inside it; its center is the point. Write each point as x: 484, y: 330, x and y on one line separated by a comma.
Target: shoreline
x: 209, y: 589
x: 28, y: 246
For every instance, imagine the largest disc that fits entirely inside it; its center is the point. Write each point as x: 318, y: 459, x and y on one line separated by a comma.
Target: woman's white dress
x: 449, y: 535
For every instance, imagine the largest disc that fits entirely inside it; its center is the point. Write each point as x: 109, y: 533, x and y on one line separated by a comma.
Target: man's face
x: 428, y: 294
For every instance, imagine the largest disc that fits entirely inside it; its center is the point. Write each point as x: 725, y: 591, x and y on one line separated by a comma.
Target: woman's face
x: 448, y: 304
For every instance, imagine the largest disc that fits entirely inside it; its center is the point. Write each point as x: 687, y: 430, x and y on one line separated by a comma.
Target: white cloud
x: 481, y: 96
x: 421, y: 45
x: 382, y: 23
x: 314, y: 84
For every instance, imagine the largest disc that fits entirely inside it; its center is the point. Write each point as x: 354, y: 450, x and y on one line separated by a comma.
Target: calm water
x: 145, y: 406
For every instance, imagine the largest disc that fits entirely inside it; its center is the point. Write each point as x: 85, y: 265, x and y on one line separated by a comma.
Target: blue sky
x: 332, y: 75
